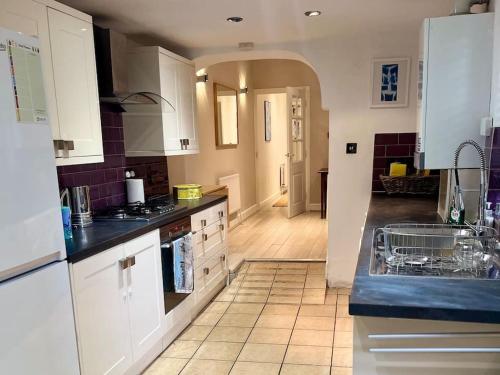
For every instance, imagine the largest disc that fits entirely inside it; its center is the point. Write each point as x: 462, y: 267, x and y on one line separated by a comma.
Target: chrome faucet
x: 483, y: 187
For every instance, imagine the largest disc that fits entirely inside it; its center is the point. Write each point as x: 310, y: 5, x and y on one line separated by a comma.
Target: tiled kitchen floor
x: 274, y: 318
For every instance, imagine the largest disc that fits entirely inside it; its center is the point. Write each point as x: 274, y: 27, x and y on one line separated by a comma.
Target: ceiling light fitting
x: 202, y: 79
x: 234, y: 19
x: 244, y: 90
x: 312, y: 13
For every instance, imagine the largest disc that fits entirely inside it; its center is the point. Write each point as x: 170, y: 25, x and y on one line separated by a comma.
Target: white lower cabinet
x: 385, y: 346
x: 210, y: 253
x: 118, y: 300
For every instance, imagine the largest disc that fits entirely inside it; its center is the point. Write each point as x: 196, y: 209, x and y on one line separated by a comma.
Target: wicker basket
x: 423, y: 185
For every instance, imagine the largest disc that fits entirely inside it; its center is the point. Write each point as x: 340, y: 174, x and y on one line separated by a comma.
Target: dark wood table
x: 324, y: 187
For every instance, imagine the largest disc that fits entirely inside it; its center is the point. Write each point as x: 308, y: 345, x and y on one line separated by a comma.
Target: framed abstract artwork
x: 267, y: 121
x: 390, y: 82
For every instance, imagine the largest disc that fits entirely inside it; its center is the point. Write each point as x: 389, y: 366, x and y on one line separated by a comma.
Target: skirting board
x: 244, y: 215
x: 314, y: 207
x: 268, y: 202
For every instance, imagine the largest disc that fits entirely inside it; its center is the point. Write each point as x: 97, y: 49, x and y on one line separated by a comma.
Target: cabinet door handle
x: 203, y: 223
x: 69, y: 145
x: 206, y: 270
x: 221, y: 214
x: 205, y: 237
x: 221, y: 227
x: 123, y: 263
x: 131, y: 261
x: 223, y: 258
x: 58, y: 144
x: 434, y: 350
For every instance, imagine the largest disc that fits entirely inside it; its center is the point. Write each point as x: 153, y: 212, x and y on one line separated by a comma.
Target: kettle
x: 81, y: 215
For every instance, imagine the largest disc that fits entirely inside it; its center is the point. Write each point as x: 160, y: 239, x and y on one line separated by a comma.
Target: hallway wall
x: 270, y: 155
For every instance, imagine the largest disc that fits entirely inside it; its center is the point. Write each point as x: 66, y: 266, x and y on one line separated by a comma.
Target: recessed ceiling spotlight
x: 312, y: 13
x: 234, y: 19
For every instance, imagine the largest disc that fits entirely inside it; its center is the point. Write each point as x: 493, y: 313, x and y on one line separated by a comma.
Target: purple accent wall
x: 390, y: 148
x: 107, y: 180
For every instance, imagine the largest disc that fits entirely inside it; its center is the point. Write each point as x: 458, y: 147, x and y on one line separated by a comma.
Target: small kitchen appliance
x: 81, y: 214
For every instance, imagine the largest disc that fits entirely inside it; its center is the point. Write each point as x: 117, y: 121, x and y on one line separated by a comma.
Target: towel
x: 183, y: 264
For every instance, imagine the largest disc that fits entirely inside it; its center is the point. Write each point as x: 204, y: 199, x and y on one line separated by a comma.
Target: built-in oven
x: 177, y: 262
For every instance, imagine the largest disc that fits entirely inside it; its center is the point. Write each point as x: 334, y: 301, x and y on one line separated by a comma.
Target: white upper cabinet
x: 69, y: 74
x: 455, y: 67
x: 75, y: 78
x: 170, y: 127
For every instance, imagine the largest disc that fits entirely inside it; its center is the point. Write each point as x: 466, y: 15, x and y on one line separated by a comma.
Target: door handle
x: 203, y: 223
x: 223, y: 258
x: 205, y: 237
x: 206, y: 270
x: 131, y: 261
x: 221, y: 227
x: 123, y: 263
x: 221, y: 214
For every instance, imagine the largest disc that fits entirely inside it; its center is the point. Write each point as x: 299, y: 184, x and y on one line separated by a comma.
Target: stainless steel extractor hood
x: 112, y: 75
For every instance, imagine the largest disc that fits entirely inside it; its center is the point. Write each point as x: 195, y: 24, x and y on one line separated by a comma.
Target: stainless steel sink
x: 435, y: 250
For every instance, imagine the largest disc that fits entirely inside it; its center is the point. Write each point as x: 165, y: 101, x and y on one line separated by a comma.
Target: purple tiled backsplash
x: 493, y: 160
x: 107, y: 180
x: 390, y: 148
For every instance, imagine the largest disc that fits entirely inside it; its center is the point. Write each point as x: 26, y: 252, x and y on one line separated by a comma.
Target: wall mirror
x: 226, y: 116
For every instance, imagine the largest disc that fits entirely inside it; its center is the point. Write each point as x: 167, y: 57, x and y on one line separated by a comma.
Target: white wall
x: 343, y: 67
x: 270, y: 155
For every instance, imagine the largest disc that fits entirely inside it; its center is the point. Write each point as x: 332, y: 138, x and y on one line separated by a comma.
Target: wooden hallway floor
x: 269, y: 234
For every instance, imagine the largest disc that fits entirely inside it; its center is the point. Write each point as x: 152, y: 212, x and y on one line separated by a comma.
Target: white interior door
x: 296, y: 153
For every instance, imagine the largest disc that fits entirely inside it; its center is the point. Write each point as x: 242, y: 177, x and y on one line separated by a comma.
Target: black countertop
x: 102, y: 235
x: 414, y: 297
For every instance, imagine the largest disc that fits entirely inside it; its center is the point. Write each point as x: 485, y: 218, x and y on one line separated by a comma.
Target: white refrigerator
x: 37, y: 329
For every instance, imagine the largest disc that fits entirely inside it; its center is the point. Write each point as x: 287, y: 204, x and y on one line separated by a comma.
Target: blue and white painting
x: 389, y: 84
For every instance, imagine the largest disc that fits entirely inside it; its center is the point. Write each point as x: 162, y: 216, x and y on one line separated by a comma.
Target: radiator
x: 233, y: 185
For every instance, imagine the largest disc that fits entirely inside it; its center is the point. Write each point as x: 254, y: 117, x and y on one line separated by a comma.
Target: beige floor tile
x: 276, y: 321
x: 291, y: 271
x: 259, y: 277
x: 341, y: 371
x: 290, y: 278
x: 308, y: 355
x: 207, y: 319
x: 256, y: 284
x: 245, y: 308
x: 331, y: 291
x: 343, y: 325
x: 280, y: 309
x: 293, y: 265
x: 342, y: 357
x: 231, y: 289
x: 315, y: 268
x: 254, y: 291
x: 285, y: 299
x: 217, y: 307
x: 222, y: 351
x: 315, y: 282
x: 317, y: 310
x: 238, y: 320
x: 314, y: 292
x: 270, y: 336
x: 229, y: 334
x: 225, y: 297
x: 343, y: 339
x: 288, y: 284
x: 313, y: 300
x: 196, y: 333
x: 315, y: 296
x: 261, y: 271
x: 320, y: 323
x: 267, y: 265
x: 207, y: 367
x: 286, y: 292
x: 162, y: 366
x: 262, y: 353
x: 249, y: 298
x: 181, y: 349
x: 344, y: 291
x: 331, y: 299
x: 343, y: 311
x: 342, y: 299
x: 312, y: 337
x: 288, y: 369
x: 255, y: 368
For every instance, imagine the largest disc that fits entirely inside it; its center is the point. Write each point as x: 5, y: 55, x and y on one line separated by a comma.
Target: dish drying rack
x: 435, y: 249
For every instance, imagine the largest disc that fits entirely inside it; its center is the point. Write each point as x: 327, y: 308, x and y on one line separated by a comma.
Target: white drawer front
x: 209, y: 216
x: 209, y: 274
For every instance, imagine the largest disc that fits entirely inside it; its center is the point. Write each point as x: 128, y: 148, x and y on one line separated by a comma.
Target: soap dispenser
x: 489, y: 220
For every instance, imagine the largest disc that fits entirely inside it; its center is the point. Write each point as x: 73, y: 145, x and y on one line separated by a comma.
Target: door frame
x: 307, y: 117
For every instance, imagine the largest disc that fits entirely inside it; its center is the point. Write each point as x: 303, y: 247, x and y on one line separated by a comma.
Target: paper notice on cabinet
x: 27, y: 82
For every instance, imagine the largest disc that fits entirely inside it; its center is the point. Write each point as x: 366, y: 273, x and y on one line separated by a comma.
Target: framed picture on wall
x: 267, y: 121
x: 390, y: 82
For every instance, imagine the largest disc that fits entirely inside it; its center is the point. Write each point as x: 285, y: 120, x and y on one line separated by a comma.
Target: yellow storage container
x: 397, y: 169
x: 188, y: 191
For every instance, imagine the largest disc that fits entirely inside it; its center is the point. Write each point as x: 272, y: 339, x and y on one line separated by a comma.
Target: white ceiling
x: 192, y: 24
